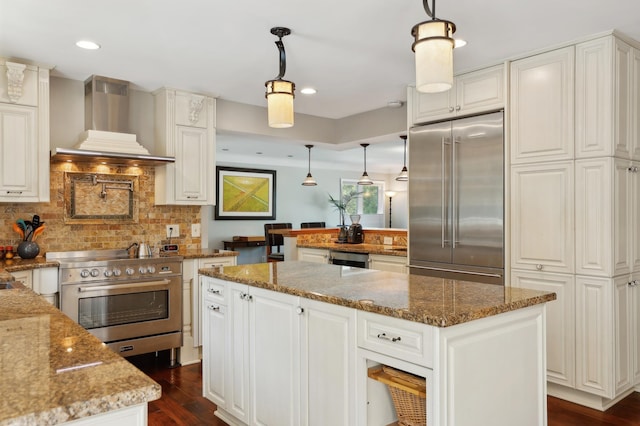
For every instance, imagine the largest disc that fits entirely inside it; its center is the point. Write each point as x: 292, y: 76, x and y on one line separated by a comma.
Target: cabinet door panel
x: 274, y: 335
x: 622, y: 112
x: 622, y: 304
x: 191, y: 156
x: 480, y: 91
x: 542, y: 107
x: 594, y: 216
x: 542, y: 217
x: 215, y: 345
x: 427, y: 107
x: 634, y: 92
x: 594, y: 340
x: 622, y: 219
x: 560, y: 321
x: 18, y: 153
x: 238, y: 353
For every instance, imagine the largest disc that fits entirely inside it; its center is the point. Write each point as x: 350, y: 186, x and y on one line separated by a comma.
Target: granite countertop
x: 434, y: 301
x: 358, y: 248
x: 204, y: 253
x: 52, y: 370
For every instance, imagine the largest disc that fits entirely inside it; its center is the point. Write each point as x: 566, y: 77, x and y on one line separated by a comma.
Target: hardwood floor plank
x: 182, y: 403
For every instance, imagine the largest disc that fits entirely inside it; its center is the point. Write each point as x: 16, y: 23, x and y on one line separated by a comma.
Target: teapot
x: 141, y: 249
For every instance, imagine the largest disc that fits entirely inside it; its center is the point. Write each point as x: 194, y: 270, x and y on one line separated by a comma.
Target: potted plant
x: 341, y: 206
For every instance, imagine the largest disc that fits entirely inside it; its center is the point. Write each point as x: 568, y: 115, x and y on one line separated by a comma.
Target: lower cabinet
x: 276, y: 359
x: 313, y: 255
x: 383, y: 262
x: 43, y: 281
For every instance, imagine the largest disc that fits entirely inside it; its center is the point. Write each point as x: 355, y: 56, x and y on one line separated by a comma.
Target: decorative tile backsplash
x: 62, y: 234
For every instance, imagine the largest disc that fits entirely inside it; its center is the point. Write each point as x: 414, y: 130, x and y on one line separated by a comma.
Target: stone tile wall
x: 62, y: 235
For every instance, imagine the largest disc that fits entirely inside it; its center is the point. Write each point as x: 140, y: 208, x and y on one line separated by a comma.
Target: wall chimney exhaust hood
x: 106, y: 118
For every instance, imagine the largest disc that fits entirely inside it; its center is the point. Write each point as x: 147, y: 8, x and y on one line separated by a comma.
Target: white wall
x: 296, y: 203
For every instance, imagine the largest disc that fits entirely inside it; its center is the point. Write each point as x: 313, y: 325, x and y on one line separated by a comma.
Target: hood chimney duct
x: 106, y: 104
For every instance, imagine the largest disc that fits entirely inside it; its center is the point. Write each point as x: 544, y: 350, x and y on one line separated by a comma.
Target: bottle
x: 8, y: 253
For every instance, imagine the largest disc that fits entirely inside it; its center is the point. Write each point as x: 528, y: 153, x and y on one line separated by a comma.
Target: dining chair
x: 312, y: 225
x: 274, y: 240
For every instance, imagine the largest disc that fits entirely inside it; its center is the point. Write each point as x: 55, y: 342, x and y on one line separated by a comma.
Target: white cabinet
x: 24, y: 133
x: 43, y: 281
x: 472, y: 93
x: 542, y: 107
x: 560, y: 325
x: 388, y: 263
x: 328, y: 372
x: 185, y: 129
x: 26, y: 277
x: 259, y: 380
x: 214, y: 342
x: 191, y: 305
x: 542, y: 217
x: 313, y: 255
x: 135, y: 415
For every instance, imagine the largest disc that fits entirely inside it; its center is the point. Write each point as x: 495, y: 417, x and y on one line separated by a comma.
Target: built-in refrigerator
x: 456, y: 199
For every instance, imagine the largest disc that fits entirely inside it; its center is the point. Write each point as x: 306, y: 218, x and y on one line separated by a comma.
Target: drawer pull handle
x: 384, y: 336
x: 214, y: 308
x: 210, y: 290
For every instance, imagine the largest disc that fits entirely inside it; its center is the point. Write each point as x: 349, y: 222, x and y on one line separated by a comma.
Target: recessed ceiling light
x: 308, y: 91
x: 86, y: 44
x: 259, y: 153
x: 225, y: 149
x: 458, y: 42
x: 290, y: 156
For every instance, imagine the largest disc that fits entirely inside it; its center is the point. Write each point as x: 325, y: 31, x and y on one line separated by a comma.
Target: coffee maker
x: 354, y: 234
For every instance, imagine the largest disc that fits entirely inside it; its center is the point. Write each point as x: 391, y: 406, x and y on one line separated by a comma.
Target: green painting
x: 245, y: 193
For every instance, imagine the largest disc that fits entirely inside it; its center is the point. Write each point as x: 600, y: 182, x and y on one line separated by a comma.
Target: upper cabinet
x: 542, y: 107
x: 472, y: 93
x: 185, y: 129
x: 24, y: 133
x: 607, y: 100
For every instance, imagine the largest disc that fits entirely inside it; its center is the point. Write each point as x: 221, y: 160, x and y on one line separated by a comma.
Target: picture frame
x: 245, y: 194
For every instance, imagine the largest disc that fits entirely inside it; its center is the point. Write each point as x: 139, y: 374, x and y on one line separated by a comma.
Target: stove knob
x: 129, y: 271
x: 84, y: 273
x: 142, y: 270
x: 117, y: 272
x: 95, y: 272
x: 107, y: 273
x: 151, y: 269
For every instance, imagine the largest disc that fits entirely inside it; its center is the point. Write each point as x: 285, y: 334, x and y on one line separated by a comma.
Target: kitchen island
x: 52, y: 371
x: 292, y: 343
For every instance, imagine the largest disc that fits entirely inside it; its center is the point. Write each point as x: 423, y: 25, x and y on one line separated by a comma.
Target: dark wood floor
x: 182, y: 402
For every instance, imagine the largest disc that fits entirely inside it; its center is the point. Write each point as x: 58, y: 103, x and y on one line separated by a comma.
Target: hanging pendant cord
x: 431, y: 12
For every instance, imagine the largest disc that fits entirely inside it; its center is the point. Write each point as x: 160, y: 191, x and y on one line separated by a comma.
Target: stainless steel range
x: 134, y: 305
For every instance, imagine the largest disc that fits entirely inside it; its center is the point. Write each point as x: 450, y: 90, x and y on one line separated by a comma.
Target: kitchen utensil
x: 144, y: 250
x: 19, y: 230
x: 22, y: 225
x: 39, y: 230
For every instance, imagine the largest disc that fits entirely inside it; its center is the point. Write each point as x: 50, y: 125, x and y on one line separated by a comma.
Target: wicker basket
x: 408, y: 392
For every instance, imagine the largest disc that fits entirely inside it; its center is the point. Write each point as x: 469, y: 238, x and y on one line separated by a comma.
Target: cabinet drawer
x: 214, y: 291
x: 407, y: 340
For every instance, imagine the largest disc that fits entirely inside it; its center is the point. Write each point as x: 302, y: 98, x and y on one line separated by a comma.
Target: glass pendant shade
x: 433, y: 49
x: 280, y: 94
x: 309, y: 180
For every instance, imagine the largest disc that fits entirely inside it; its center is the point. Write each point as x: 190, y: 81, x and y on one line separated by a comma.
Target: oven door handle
x: 123, y: 286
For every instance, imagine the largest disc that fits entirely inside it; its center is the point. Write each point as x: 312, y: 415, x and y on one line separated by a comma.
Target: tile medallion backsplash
x: 108, y: 221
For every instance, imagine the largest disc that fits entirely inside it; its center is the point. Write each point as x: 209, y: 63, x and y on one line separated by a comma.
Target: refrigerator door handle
x: 454, y: 193
x: 444, y: 223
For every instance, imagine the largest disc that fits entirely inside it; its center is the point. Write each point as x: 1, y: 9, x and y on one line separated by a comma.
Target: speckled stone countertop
x: 204, y: 253
x: 358, y: 248
x: 53, y: 371
x: 434, y: 301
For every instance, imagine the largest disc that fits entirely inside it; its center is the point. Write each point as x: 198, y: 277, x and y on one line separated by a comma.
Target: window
x: 370, y: 201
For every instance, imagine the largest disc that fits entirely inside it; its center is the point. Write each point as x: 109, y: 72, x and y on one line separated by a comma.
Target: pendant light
x: 365, y: 179
x: 404, y: 173
x: 309, y: 181
x: 280, y: 93
x: 433, y: 47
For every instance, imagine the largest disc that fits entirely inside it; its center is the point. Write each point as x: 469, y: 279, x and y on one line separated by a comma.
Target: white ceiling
x: 356, y: 53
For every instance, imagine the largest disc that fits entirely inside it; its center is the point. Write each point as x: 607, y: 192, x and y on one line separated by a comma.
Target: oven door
x: 121, y: 311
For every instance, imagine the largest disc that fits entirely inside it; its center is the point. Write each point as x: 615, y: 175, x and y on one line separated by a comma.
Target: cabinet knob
x: 450, y: 109
x: 539, y: 267
x: 210, y: 290
x: 299, y: 310
x: 384, y: 336
x: 458, y: 108
x: 214, y: 308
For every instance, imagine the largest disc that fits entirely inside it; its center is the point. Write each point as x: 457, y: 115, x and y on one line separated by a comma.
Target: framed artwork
x: 245, y: 194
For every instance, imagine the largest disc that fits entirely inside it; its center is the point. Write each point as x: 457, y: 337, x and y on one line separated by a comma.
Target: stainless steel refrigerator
x: 456, y: 199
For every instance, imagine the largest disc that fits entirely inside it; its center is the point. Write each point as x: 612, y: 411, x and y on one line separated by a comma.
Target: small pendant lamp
x: 365, y: 179
x: 280, y: 93
x: 309, y: 181
x: 433, y: 47
x: 404, y: 173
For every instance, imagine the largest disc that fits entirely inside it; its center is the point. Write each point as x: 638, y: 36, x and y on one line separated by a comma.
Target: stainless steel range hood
x: 106, y: 140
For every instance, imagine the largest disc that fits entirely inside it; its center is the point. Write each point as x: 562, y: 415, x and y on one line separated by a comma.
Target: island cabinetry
x: 542, y: 107
x: 313, y: 255
x: 185, y: 129
x: 43, y: 281
x: 472, y: 93
x: 383, y: 262
x: 24, y: 133
x: 190, y: 352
